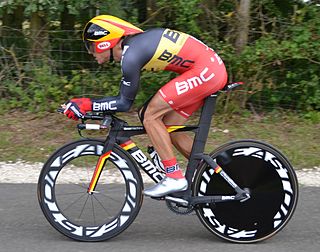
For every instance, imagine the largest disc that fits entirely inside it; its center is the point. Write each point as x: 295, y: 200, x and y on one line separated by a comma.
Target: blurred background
x: 271, y: 45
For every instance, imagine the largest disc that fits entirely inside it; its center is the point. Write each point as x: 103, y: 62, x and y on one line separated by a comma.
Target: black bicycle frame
x: 121, y: 133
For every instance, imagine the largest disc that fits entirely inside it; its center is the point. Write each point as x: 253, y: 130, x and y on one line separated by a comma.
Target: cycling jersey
x: 201, y: 70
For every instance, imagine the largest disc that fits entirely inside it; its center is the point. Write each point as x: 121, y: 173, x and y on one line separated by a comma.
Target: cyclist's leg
x: 181, y: 140
x: 155, y: 127
x: 160, y: 138
x: 157, y: 115
x: 184, y: 91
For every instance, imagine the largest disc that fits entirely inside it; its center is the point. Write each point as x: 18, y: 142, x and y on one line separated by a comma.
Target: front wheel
x: 261, y: 170
x: 100, y: 215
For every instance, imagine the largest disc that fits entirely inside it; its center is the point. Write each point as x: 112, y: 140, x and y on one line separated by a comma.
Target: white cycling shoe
x: 167, y: 186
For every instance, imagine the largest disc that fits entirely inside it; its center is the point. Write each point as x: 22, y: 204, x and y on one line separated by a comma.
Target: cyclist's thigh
x: 173, y: 117
x: 186, y: 92
x: 180, y: 116
x: 170, y: 116
x: 156, y: 108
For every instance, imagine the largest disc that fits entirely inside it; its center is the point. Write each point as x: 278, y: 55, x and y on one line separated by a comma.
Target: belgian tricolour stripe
x: 98, y: 170
x: 128, y: 145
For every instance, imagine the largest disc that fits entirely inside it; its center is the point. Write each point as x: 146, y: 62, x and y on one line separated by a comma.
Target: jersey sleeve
x: 129, y: 86
x: 131, y: 65
x: 137, y: 51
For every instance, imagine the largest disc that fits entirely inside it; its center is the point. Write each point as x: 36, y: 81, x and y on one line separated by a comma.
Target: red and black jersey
x: 155, y: 49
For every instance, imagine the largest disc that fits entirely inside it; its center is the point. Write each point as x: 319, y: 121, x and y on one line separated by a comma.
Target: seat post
x: 202, y: 132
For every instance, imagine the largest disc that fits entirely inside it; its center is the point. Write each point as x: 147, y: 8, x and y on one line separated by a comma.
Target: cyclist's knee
x: 156, y: 109
x: 153, y: 116
x: 149, y: 115
x: 143, y: 109
x: 150, y: 118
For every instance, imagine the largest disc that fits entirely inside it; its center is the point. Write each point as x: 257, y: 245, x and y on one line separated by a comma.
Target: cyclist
x: 201, y: 73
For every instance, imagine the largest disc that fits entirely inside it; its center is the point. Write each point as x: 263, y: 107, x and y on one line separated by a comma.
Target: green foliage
x: 44, y: 90
x: 313, y: 117
x: 41, y: 5
x: 280, y: 65
x: 9, y: 6
x: 150, y: 83
x: 181, y: 15
x: 284, y: 72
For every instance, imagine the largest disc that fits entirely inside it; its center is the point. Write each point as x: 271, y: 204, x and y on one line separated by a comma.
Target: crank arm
x: 217, y: 199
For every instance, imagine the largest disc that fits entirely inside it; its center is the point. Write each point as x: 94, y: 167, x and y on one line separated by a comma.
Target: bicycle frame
x: 121, y: 133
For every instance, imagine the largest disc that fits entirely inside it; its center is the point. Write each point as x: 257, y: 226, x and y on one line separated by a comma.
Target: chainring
x: 178, y: 209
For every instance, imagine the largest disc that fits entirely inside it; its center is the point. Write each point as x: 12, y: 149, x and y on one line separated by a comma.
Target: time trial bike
x: 92, y: 189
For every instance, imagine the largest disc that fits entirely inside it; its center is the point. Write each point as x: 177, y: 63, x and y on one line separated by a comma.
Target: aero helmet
x: 104, y: 32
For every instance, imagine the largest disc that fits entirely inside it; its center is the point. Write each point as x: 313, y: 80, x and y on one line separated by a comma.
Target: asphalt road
x: 24, y: 228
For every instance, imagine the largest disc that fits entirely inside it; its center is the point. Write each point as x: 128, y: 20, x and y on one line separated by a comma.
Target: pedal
x: 177, y: 200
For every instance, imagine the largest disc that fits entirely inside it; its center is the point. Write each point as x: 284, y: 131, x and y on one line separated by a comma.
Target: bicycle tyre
x: 272, y: 183
x: 70, y: 209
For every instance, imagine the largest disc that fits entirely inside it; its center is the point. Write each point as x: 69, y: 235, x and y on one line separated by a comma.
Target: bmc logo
x: 104, y: 45
x: 194, y: 82
x: 103, y: 106
x: 174, y: 59
x: 147, y: 165
x: 100, y: 33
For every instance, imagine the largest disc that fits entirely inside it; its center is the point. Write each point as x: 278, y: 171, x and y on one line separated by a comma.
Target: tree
x: 142, y: 10
x: 67, y: 19
x: 39, y: 34
x: 243, y: 16
x: 12, y: 18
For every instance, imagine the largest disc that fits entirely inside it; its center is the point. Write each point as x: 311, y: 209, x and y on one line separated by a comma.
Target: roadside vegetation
x: 31, y: 138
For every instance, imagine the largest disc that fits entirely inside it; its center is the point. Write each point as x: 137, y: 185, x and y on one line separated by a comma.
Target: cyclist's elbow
x: 124, y: 105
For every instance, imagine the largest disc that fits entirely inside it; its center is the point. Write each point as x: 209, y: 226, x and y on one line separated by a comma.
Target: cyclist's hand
x: 77, y: 108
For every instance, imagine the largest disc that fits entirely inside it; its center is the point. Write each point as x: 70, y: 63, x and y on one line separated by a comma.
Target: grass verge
x: 24, y: 136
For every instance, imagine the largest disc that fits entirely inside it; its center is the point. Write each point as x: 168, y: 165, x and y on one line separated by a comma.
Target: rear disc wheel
x: 269, y: 178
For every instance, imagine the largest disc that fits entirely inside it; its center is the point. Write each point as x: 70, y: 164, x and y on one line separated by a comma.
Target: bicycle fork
x: 97, y: 172
x: 106, y: 152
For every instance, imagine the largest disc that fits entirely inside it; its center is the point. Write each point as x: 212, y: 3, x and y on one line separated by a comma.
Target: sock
x: 172, y: 168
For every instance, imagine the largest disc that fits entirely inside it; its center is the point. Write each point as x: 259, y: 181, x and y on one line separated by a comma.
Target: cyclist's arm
x: 129, y: 86
x: 136, y: 53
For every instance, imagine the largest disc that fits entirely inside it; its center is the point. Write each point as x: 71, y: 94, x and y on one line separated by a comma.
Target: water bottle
x: 155, y: 159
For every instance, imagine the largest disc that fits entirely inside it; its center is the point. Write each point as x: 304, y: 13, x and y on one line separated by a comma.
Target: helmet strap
x: 111, y: 55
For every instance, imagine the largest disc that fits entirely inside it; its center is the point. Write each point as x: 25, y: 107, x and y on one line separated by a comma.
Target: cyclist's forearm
x: 114, y: 103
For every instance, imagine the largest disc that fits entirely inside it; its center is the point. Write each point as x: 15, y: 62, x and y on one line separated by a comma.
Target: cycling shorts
x: 186, y: 93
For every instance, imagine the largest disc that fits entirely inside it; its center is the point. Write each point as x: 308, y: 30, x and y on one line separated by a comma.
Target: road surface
x: 24, y: 228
